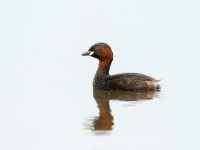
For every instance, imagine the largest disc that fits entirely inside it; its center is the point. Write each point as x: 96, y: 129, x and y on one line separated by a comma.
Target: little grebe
x: 126, y: 81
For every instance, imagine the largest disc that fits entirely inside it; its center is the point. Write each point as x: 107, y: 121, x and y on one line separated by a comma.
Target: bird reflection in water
x: 105, y: 120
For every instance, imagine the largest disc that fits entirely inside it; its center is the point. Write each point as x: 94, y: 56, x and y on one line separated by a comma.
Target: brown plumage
x: 126, y: 81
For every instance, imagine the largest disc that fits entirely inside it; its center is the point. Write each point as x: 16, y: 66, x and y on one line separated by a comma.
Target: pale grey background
x: 45, y: 85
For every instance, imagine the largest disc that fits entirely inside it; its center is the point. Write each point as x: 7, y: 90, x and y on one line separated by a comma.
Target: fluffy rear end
x: 153, y: 85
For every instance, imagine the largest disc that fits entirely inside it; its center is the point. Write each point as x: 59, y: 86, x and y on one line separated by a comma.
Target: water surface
x: 47, y: 100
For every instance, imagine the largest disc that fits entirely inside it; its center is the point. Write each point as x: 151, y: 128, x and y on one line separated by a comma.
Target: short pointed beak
x: 88, y: 53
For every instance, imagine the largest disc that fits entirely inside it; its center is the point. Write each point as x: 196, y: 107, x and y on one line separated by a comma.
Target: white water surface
x: 46, y: 96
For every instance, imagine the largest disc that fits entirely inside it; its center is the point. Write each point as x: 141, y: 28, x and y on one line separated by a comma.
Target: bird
x: 123, y: 81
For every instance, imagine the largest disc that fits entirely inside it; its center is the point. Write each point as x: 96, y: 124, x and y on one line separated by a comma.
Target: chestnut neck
x: 104, y: 67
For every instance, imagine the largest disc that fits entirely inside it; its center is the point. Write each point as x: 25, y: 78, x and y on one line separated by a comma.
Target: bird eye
x: 95, y: 49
